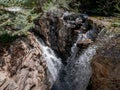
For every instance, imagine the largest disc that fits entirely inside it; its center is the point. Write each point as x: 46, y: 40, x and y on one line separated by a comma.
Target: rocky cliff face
x: 22, y: 66
x: 106, y: 66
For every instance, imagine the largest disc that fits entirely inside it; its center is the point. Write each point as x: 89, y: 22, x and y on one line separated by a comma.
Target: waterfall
x: 53, y: 63
x: 79, y: 70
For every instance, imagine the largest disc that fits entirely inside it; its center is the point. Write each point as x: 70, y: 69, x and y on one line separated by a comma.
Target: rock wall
x: 21, y: 65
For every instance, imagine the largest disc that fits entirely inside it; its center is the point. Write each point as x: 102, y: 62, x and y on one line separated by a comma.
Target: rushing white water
x: 53, y: 63
x: 79, y: 70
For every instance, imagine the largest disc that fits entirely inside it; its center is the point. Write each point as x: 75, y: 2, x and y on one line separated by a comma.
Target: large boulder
x: 22, y: 66
x: 106, y: 66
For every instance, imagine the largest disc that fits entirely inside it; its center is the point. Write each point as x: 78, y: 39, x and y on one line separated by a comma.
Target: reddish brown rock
x: 106, y: 66
x: 85, y: 42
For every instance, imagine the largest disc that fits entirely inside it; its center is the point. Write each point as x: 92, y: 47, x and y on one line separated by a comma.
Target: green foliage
x: 14, y: 24
x: 63, y: 3
x: 115, y: 24
x: 49, y: 6
x: 19, y: 22
x: 55, y: 4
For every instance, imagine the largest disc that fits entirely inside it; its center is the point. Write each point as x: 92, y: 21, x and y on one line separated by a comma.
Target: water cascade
x: 53, y: 62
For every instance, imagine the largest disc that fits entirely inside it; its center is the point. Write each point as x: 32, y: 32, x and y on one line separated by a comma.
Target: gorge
x: 64, y: 51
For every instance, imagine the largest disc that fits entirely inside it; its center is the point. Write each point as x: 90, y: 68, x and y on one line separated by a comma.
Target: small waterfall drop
x: 53, y: 63
x: 78, y: 69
